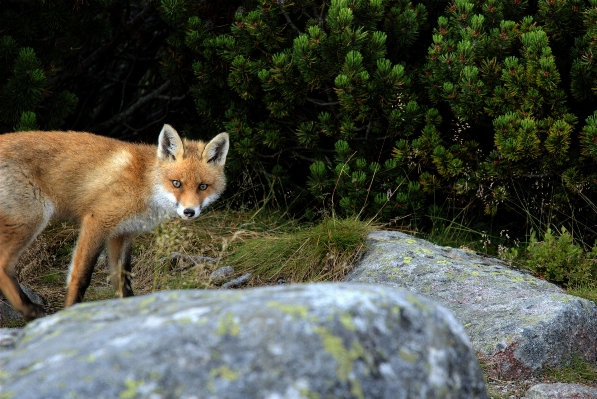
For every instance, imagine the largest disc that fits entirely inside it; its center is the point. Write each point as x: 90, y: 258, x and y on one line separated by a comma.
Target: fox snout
x: 188, y: 213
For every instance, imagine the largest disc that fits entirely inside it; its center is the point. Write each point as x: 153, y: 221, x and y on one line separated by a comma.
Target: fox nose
x: 189, y: 212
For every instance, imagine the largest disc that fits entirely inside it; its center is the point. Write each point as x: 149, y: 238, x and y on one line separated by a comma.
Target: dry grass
x: 44, y: 265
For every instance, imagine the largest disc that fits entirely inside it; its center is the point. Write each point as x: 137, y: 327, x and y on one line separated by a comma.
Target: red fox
x: 113, y: 189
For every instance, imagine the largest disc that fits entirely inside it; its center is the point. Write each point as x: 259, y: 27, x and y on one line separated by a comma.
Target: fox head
x: 190, y: 174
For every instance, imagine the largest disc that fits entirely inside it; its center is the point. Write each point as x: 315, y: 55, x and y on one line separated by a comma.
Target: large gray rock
x: 561, y: 391
x: 307, y: 341
x: 517, y: 323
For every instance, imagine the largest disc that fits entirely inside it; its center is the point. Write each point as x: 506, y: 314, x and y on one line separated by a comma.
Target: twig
x: 389, y: 136
x: 178, y: 98
x: 293, y: 26
x: 321, y: 103
x: 320, y: 21
x: 134, y: 107
x: 328, y: 92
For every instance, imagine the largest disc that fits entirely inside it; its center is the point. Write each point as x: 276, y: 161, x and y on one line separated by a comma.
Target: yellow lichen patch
x: 346, y: 320
x: 131, y: 389
x: 29, y: 369
x: 224, y: 372
x: 410, y: 241
x: 228, y: 326
x: 417, y: 302
x: 408, y: 356
x: 296, y: 311
x: 562, y: 299
x: 147, y: 301
x: 7, y: 395
x: 517, y: 279
x: 407, y: 259
x: 309, y: 394
x: 344, y: 357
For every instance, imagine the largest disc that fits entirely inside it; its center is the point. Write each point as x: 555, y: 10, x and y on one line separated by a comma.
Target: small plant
x: 560, y: 259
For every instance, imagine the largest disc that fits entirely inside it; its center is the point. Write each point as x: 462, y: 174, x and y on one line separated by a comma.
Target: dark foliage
x: 394, y: 109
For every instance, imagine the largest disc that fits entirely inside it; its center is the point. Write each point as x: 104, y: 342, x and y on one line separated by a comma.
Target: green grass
x: 578, y: 371
x: 586, y: 290
x: 324, y: 252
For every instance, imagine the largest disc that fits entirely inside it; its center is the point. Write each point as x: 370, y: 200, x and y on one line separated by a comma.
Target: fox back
x: 113, y: 189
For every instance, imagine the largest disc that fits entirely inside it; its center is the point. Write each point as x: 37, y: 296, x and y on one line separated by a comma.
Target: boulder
x: 292, y: 341
x: 561, y: 391
x: 517, y: 323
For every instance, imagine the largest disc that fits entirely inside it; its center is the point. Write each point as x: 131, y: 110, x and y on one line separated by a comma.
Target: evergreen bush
x: 391, y: 109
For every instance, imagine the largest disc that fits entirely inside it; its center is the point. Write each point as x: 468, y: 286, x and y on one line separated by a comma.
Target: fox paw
x: 33, y: 311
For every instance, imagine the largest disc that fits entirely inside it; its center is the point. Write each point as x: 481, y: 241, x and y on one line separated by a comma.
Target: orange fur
x: 113, y: 189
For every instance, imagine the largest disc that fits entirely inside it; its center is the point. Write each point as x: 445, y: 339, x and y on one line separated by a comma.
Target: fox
x: 112, y: 189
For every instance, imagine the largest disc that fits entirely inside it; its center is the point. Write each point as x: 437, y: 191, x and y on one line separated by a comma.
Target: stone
x: 561, y: 391
x: 291, y: 341
x: 221, y: 274
x: 518, y: 324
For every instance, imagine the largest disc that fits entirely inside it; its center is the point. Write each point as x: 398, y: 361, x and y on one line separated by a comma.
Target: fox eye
x: 176, y: 183
x: 203, y: 186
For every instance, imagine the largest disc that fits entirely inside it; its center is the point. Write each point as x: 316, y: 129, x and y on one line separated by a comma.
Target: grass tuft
x: 325, y: 252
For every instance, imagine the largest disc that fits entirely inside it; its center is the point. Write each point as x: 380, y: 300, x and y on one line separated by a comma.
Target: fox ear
x: 169, y: 144
x: 216, y: 150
